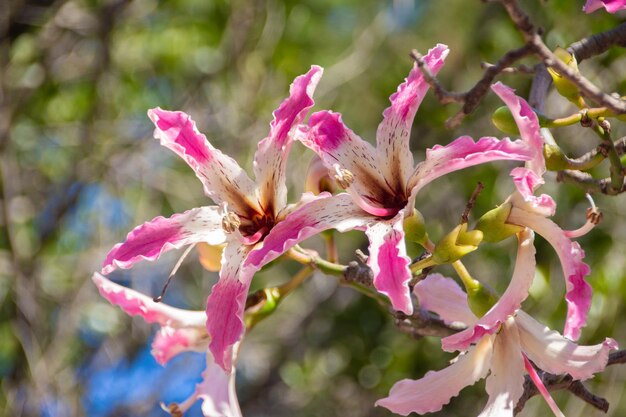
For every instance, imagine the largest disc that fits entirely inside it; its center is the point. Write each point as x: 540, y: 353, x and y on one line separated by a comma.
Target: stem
x: 306, y: 258
x: 296, y: 281
x: 471, y: 285
x: 331, y: 247
x: 616, y: 169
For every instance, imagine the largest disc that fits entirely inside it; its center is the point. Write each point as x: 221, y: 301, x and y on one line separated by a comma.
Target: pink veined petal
x: 390, y: 263
x: 393, y: 135
x: 611, y: 6
x: 528, y: 125
x: 340, y: 148
x: 223, y: 179
x: 435, y: 389
x: 170, y: 341
x: 217, y: 392
x: 321, y: 213
x: 508, y: 304
x: 542, y: 388
x: 226, y: 304
x: 526, y: 181
x: 571, y: 255
x: 443, y: 296
x: 558, y: 355
x: 149, y: 240
x: 135, y: 303
x: 505, y: 384
x: 464, y: 153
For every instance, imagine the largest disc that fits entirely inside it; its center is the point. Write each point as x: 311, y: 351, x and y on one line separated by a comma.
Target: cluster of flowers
x: 257, y: 225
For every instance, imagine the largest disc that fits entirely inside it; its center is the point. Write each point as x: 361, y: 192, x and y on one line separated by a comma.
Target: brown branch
x: 598, y: 43
x: 588, y: 183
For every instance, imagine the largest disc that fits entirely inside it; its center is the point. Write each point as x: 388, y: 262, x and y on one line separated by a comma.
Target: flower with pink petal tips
x: 499, y: 354
x: 611, y: 6
x: 531, y: 211
x: 181, y: 330
x: 383, y: 180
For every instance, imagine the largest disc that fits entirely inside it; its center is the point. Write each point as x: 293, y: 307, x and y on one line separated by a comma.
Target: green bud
x: 481, y: 299
x: 265, y: 307
x: 565, y: 87
x: 555, y: 158
x: 505, y: 122
x: 414, y: 227
x: 456, y: 244
x: 494, y: 226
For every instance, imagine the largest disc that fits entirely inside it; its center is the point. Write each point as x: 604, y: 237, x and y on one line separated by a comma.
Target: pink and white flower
x: 532, y: 211
x: 497, y: 352
x: 611, y: 6
x: 383, y: 181
x: 181, y: 330
x: 253, y: 217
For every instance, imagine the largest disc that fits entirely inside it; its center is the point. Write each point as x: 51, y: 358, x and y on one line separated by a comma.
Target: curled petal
x: 571, y: 255
x: 226, y: 304
x: 509, y: 303
x: 392, y: 137
x: 558, y: 355
x: 526, y: 181
x: 528, y: 125
x: 134, y: 303
x: 611, y: 6
x: 170, y: 341
x: 443, y: 296
x: 223, y: 179
x: 505, y: 384
x: 271, y: 156
x: 390, y: 263
x: 151, y: 239
x: 435, y: 389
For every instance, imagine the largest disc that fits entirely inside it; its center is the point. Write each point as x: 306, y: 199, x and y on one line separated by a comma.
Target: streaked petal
x: 528, y: 125
x: 151, y: 239
x: 393, y: 135
x: 340, y: 148
x: 508, y: 304
x: 226, y: 304
x: 558, y: 355
x: 435, y: 389
x: 505, y: 384
x: 445, y: 297
x: 170, y: 341
x: 135, y: 303
x: 611, y: 6
x: 571, y: 255
x: 320, y: 213
x: 270, y: 159
x: 526, y: 181
x: 464, y: 153
x: 223, y: 179
x: 390, y: 263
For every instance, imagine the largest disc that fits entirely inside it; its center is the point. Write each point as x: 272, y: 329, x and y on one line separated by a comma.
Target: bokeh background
x: 79, y: 169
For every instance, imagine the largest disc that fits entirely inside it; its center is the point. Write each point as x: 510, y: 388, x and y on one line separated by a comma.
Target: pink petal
x: 443, y: 296
x: 170, y: 341
x: 222, y: 178
x: 571, y: 255
x: 508, y: 304
x: 505, y: 384
x: 339, y: 147
x: 526, y: 182
x: 321, y: 213
x: 134, y: 303
x: 389, y: 262
x: 161, y: 234
x: 528, y: 125
x: 393, y: 133
x: 271, y: 156
x: 611, y: 6
x: 558, y: 355
x: 435, y: 389
x: 217, y: 391
x: 226, y: 304
x: 464, y: 153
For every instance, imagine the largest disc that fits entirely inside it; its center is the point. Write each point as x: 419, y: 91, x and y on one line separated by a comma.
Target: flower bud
x: 503, y: 119
x: 414, y: 227
x: 456, y: 244
x: 480, y: 299
x: 565, y: 87
x: 269, y: 298
x: 494, y: 226
x: 555, y: 158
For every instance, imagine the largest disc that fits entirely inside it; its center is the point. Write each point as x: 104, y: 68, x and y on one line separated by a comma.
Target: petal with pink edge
x: 340, y: 148
x: 392, y: 137
x: 526, y: 181
x: 464, y: 153
x: 390, y: 263
x: 571, y: 255
x: 611, y: 6
x: 170, y: 341
x: 151, y: 239
x: 223, y: 179
x: 558, y: 355
x: 508, y: 304
x: 135, y: 303
x: 528, y: 125
x: 226, y: 304
x: 443, y: 296
x: 271, y: 156
x: 435, y: 389
x: 505, y: 384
